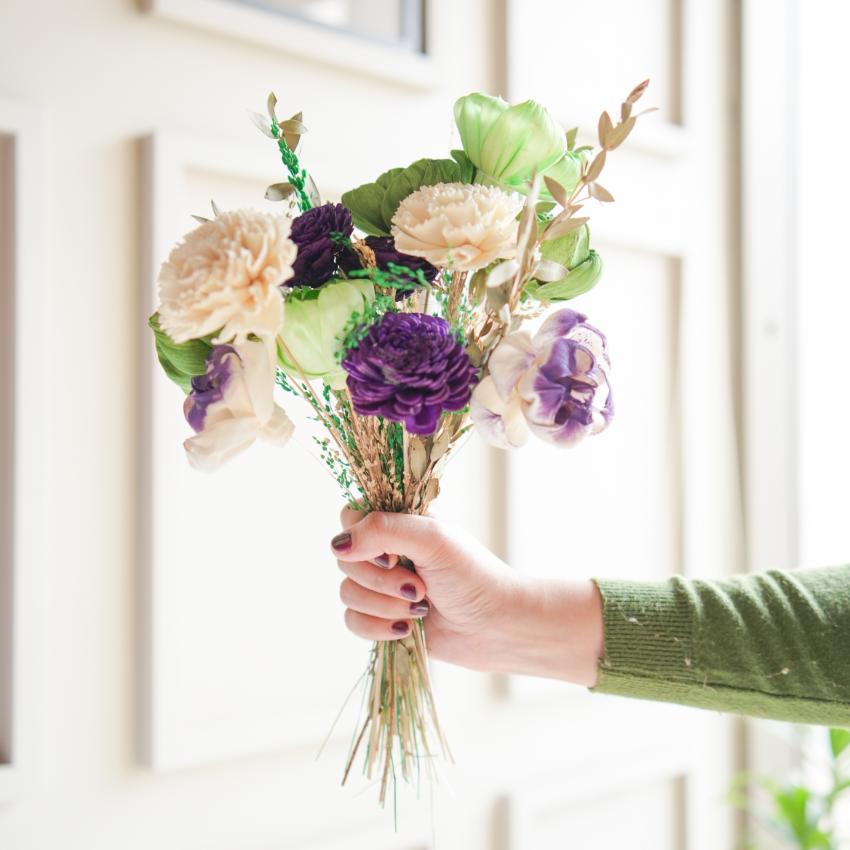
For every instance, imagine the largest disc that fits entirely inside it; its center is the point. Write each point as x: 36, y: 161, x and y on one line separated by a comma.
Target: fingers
x: 372, y: 628
x: 397, y: 582
x: 350, y: 516
x: 377, y: 534
x: 365, y: 601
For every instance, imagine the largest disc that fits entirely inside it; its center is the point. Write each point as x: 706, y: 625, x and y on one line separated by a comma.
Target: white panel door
x: 654, y: 496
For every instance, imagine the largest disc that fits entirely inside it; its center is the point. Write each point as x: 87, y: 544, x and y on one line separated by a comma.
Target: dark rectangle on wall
x: 7, y: 454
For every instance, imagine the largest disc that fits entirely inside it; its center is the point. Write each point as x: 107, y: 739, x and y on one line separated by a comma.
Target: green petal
x: 566, y: 171
x: 475, y: 114
x: 180, y: 361
x: 582, y: 278
x: 569, y: 250
x: 524, y: 139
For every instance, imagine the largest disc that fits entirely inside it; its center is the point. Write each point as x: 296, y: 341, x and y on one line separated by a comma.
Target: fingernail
x: 400, y: 628
x: 420, y: 609
x: 409, y: 591
x: 382, y: 561
x: 342, y: 542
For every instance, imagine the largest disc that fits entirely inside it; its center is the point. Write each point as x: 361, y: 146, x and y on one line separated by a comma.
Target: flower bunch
x: 397, y: 317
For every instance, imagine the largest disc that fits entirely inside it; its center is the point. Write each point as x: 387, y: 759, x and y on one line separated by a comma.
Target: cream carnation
x: 459, y: 225
x: 224, y: 277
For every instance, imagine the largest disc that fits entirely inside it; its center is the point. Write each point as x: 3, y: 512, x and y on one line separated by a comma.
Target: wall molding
x: 176, y: 730
x: 22, y: 294
x: 307, y: 40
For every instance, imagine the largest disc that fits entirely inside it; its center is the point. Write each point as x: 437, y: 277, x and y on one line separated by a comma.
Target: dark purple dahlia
x: 386, y: 254
x: 208, y: 388
x: 322, y: 236
x: 409, y: 368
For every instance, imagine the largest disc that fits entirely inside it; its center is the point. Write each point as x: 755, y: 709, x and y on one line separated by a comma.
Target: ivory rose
x: 224, y: 278
x: 460, y: 226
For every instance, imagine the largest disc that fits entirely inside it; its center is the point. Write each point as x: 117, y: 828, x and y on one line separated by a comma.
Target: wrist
x: 553, y: 629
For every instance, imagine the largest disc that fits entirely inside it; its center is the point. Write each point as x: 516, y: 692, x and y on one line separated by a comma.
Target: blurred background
x: 172, y: 654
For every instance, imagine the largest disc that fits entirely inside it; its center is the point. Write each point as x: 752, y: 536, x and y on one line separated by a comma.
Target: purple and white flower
x: 554, y: 384
x: 232, y: 405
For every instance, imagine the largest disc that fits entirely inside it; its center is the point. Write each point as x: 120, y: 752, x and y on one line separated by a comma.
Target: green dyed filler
x: 772, y: 644
x: 395, y: 440
x: 297, y: 175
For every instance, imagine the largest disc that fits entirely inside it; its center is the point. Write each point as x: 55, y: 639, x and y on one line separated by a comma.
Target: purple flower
x: 385, y: 254
x: 207, y: 389
x: 321, y: 235
x: 232, y: 405
x: 409, y: 368
x: 554, y: 385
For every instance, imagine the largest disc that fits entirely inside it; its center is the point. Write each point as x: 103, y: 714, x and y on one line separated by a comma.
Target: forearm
x: 554, y: 629
x: 772, y: 645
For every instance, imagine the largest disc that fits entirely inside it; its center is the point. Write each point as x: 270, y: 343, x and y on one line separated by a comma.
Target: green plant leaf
x: 364, y: 203
x: 387, y: 177
x: 839, y: 741
x: 467, y: 168
x: 798, y: 809
x: 180, y: 361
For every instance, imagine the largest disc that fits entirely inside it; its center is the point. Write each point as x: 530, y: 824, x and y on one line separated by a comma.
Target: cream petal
x: 278, y: 429
x: 510, y: 360
x: 218, y: 443
x: 257, y: 374
x: 500, y: 423
x: 466, y: 226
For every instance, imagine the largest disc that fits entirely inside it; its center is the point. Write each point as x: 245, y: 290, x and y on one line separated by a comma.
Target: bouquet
x: 396, y: 317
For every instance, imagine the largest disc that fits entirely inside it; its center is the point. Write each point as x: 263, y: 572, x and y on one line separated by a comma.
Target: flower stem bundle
x: 397, y: 317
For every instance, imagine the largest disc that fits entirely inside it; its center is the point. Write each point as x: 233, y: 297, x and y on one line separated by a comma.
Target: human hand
x: 479, y: 613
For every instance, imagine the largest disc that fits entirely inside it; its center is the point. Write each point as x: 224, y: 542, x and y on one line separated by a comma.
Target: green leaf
x: 180, y: 361
x: 387, y: 177
x: 797, y: 809
x: 364, y: 202
x: 467, y: 168
x: 839, y: 741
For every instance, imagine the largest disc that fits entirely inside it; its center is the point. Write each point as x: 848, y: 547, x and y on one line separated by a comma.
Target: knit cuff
x: 648, y: 632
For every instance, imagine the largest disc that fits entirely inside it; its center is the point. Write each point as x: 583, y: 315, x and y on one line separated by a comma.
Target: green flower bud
x: 508, y: 143
x: 313, y: 325
x: 573, y: 252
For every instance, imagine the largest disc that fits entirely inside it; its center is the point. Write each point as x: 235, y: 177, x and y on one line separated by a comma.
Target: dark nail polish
x: 408, y: 591
x: 383, y: 561
x: 342, y: 542
x: 420, y: 609
x: 400, y: 628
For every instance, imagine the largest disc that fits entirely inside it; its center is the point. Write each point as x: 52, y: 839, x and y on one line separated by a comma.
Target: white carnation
x: 458, y: 225
x: 225, y: 276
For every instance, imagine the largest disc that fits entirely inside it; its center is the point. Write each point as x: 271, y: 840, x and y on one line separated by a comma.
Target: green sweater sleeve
x: 773, y: 644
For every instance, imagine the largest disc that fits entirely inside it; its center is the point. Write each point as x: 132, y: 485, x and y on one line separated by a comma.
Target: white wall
x: 533, y: 765
x: 105, y: 74
x: 823, y: 283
